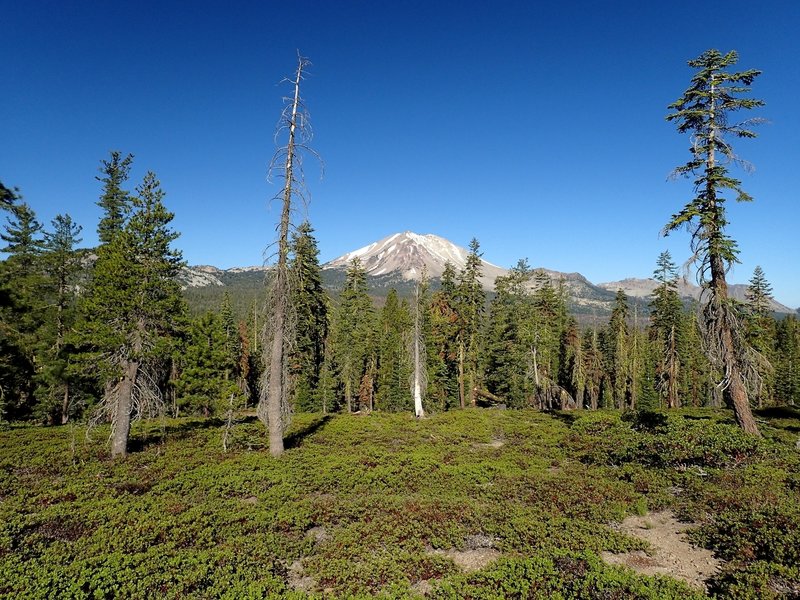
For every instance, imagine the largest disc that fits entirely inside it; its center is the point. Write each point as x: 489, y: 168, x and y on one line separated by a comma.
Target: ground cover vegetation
x: 370, y: 505
x: 103, y: 337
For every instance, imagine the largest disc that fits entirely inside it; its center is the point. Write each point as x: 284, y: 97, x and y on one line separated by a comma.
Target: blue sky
x: 536, y: 127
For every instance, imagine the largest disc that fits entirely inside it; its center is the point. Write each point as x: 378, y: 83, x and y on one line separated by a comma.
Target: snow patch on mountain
x: 408, y: 253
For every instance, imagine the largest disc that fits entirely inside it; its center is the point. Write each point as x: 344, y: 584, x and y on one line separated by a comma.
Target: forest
x: 102, y: 337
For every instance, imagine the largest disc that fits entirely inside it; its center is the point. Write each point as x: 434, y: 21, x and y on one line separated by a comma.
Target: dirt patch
x: 319, y: 534
x: 495, y: 443
x: 478, y: 553
x: 297, y: 578
x: 671, y: 553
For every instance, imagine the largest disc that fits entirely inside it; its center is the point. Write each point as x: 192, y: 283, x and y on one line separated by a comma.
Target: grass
x: 357, y: 505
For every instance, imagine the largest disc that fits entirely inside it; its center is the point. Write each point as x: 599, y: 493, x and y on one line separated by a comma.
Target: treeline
x: 80, y: 325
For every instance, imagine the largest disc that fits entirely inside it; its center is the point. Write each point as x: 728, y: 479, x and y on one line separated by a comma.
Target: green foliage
x: 394, y: 361
x: 206, y: 366
x: 351, y: 336
x: 703, y: 112
x: 310, y: 304
x: 373, y: 505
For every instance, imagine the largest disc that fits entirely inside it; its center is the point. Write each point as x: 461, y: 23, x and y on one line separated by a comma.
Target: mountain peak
x: 406, y: 254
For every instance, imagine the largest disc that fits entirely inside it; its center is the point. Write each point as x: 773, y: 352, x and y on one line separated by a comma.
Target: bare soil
x: 671, y: 554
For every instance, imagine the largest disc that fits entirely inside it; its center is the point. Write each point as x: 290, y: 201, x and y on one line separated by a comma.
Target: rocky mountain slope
x: 643, y: 288
x: 398, y: 260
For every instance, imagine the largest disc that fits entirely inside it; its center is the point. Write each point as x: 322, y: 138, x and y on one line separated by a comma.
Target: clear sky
x: 537, y: 127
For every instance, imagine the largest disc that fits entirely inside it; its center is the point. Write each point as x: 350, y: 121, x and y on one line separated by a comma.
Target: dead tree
x: 273, y: 407
x: 420, y: 375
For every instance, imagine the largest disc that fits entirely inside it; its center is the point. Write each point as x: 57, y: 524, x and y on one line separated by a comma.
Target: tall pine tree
x: 704, y: 112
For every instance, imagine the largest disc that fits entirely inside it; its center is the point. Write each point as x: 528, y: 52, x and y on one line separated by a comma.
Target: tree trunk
x: 461, y: 394
x: 124, y: 405
x: 65, y: 405
x: 276, y: 383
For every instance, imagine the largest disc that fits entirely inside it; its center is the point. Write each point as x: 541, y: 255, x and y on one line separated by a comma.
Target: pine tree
x: 22, y: 310
x: 394, y: 364
x: 351, y: 332
x: 204, y: 384
x: 593, y: 367
x: 132, y: 311
x: 508, y: 370
x: 760, y: 332
x: 665, y: 330
x: 62, y: 267
x: 115, y: 201
x: 787, y: 361
x: 704, y: 112
x: 310, y: 303
x: 616, y: 350
x: 442, y: 343
x: 470, y: 302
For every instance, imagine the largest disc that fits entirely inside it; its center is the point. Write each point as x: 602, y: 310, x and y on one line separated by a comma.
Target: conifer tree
x: 132, y: 311
x: 704, y: 111
x: 351, y: 332
x: 665, y: 330
x: 442, y: 344
x: 62, y: 267
x: 509, y: 373
x: 760, y: 323
x: 572, y: 373
x: 394, y: 365
x: 470, y: 308
x: 617, y: 352
x: 204, y: 384
x: 787, y: 361
x: 21, y: 283
x: 593, y: 367
x: 115, y: 201
x: 760, y: 332
x: 310, y: 303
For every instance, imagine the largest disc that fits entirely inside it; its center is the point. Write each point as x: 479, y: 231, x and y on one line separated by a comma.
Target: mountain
x: 406, y: 254
x: 643, y: 288
x: 398, y: 259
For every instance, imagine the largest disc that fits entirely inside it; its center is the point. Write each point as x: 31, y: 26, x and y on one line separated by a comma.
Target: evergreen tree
x: 442, y: 343
x: 21, y: 310
x: 351, y: 332
x: 760, y: 332
x: 665, y: 330
x: 115, y: 201
x: 470, y: 302
x: 508, y: 368
x: 593, y: 367
x: 133, y: 310
x: 787, y: 361
x: 394, y: 364
x: 572, y: 367
x: 62, y: 268
x: 617, y: 352
x: 204, y: 384
x: 310, y: 304
x: 760, y: 324
x: 704, y: 112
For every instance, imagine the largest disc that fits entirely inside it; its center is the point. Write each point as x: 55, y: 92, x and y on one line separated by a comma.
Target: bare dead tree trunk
x: 420, y: 371
x: 274, y: 397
